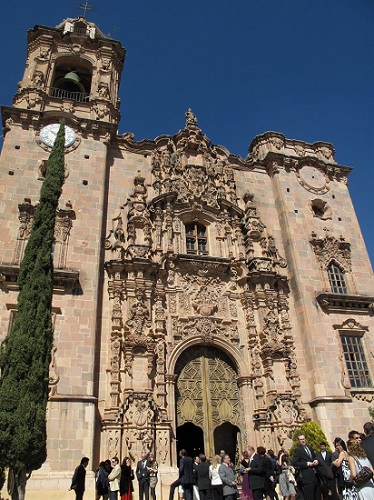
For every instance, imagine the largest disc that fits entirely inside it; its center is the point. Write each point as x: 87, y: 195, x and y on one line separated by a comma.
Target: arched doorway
x: 207, y: 397
x: 191, y: 438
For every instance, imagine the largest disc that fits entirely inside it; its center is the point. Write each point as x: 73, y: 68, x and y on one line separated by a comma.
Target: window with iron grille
x: 336, y: 279
x: 196, y: 239
x: 354, y: 356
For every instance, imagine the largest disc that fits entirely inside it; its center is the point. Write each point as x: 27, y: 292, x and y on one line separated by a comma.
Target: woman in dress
x: 357, y: 459
x: 244, y: 469
x: 152, y: 470
x: 127, y: 475
x: 349, y: 492
x: 217, y: 486
x: 286, y: 477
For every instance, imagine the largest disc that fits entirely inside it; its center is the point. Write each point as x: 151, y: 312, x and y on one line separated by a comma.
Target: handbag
x: 364, y: 475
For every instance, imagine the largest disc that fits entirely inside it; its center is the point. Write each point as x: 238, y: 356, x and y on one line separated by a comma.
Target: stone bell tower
x: 73, y: 73
x: 72, y: 68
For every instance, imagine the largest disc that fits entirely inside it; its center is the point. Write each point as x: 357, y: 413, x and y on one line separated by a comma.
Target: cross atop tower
x: 86, y: 7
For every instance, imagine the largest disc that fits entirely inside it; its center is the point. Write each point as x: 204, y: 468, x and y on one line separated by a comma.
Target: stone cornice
x: 331, y: 302
x: 147, y: 146
x: 74, y: 398
x: 63, y: 279
x: 36, y: 119
x: 322, y: 400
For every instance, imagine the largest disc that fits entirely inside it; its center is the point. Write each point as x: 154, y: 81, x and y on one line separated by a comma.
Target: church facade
x: 201, y: 300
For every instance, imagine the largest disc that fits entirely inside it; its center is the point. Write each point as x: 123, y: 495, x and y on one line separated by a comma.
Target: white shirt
x: 214, y: 475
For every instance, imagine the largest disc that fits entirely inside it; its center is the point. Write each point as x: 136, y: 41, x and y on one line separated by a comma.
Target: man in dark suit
x: 79, y: 479
x: 142, y: 476
x: 185, y: 478
x: 325, y: 473
x: 203, y: 480
x: 195, y: 489
x: 368, y: 442
x: 260, y: 472
x: 305, y: 461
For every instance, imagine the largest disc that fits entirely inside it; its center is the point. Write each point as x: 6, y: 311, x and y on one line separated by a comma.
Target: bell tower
x: 73, y: 69
x: 72, y: 72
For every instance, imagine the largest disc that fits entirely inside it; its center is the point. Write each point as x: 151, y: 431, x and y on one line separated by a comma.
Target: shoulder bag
x: 364, y: 475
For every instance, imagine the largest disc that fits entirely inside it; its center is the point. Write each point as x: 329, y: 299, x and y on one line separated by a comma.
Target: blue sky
x: 300, y: 67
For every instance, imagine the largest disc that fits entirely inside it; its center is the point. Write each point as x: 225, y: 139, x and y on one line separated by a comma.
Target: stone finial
x: 190, y: 118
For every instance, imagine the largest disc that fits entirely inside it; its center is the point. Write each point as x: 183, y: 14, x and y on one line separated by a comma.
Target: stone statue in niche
x: 139, y: 315
x: 38, y: 78
x: 103, y: 90
x: 105, y: 64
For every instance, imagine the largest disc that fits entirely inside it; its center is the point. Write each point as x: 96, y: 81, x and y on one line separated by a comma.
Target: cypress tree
x: 26, y: 353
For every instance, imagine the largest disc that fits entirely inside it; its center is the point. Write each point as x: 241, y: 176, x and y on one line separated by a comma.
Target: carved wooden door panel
x: 207, y: 392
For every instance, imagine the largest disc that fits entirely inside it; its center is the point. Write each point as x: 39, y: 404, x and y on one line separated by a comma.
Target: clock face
x: 49, y: 132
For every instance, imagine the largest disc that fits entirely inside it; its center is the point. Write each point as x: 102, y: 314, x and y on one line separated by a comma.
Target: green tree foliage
x: 371, y: 413
x: 26, y: 353
x: 314, y: 436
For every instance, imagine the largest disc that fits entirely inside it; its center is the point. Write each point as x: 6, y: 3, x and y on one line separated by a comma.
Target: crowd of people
x: 344, y: 474
x: 115, y: 481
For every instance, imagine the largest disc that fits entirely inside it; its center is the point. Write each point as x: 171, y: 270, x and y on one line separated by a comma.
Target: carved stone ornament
x: 261, y: 251
x: 101, y: 110
x: 274, y: 340
x: 287, y: 410
x: 139, y: 316
x: 313, y: 178
x: 63, y: 225
x: 53, y: 374
x: 139, y: 415
x: 38, y: 78
x: 206, y: 329
x: 192, y: 169
x: 330, y: 248
x: 203, y: 293
x: 25, y: 215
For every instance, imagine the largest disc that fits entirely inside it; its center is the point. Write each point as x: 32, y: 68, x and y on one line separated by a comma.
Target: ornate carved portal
x: 207, y: 396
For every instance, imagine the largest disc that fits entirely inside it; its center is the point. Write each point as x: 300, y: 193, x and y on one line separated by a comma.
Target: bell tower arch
x: 72, y: 68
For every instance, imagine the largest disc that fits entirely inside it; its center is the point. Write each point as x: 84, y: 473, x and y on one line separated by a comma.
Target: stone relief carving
x: 101, y: 110
x: 63, y: 225
x: 203, y: 293
x: 139, y: 321
x: 273, y: 339
x: 138, y: 414
x: 103, y: 90
x: 25, y: 215
x: 192, y: 169
x: 330, y: 248
x: 261, y: 250
x: 54, y: 377
x: 38, y: 78
x: 206, y: 329
x: 163, y: 445
x: 116, y: 293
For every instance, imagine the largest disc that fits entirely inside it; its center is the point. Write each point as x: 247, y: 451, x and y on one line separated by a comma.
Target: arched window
x: 336, y: 278
x: 72, y: 79
x: 196, y: 239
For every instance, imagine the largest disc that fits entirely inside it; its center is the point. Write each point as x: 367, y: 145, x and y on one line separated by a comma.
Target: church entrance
x: 191, y: 438
x: 207, y: 402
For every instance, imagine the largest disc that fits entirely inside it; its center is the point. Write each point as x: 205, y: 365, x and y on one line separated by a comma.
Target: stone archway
x: 207, y: 394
